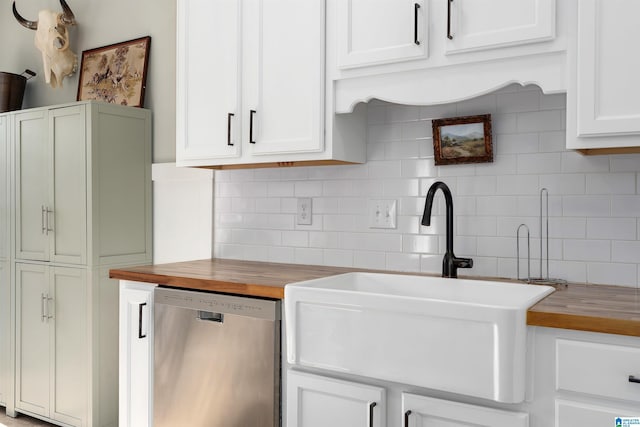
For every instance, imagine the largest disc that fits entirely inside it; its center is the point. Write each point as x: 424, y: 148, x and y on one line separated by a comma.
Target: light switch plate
x: 382, y: 213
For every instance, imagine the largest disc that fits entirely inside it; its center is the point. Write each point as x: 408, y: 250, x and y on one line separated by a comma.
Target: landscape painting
x: 462, y: 140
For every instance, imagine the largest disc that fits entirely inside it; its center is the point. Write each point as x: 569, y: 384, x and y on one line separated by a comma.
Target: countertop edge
x: 552, y: 311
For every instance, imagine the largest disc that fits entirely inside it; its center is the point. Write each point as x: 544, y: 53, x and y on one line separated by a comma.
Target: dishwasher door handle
x: 210, y: 316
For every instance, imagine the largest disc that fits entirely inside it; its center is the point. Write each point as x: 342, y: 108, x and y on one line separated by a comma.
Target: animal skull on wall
x: 52, y: 39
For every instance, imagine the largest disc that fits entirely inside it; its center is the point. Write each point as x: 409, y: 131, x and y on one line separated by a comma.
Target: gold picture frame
x: 462, y: 140
x: 116, y: 74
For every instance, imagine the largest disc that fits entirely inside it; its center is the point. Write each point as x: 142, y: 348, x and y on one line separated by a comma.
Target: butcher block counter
x: 595, y: 308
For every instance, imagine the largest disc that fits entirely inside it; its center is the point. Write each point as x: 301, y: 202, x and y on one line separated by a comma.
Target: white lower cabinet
x: 136, y: 354
x: 421, y: 411
x: 585, y: 379
x: 318, y: 401
x: 596, y: 380
x: 569, y: 414
x: 51, y: 342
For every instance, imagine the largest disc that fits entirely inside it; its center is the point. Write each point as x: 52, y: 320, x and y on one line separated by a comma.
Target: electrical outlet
x: 382, y: 214
x: 305, y: 211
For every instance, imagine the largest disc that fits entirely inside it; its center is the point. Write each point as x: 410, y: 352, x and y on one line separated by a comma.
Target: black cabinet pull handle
x: 371, y: 406
x: 416, y: 6
x: 251, y: 114
x: 406, y: 418
x: 449, y: 36
x: 229, y: 116
x: 633, y: 379
x: 140, y: 335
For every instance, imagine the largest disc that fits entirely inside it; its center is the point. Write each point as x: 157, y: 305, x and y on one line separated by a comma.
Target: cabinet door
x: 67, y: 221
x: 607, y: 94
x: 283, y: 88
x: 32, y: 338
x: 208, y: 80
x: 420, y: 411
x: 570, y: 414
x: 4, y: 331
x: 316, y: 401
x: 67, y: 312
x: 136, y: 355
x: 4, y: 188
x: 31, y: 185
x: 381, y: 31
x: 485, y: 24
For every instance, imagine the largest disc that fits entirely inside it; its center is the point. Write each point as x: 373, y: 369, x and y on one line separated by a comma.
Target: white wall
x: 594, y: 201
x: 101, y: 23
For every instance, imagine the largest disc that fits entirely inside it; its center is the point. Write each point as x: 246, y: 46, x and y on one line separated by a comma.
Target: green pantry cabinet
x: 79, y: 203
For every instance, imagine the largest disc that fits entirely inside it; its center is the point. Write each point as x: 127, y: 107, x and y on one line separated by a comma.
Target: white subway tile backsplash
x: 497, y: 205
x: 587, y: 206
x: 573, y: 162
x: 385, y: 170
x: 403, y: 262
x: 539, y: 163
x: 625, y: 163
x: 418, y: 168
x: 308, y: 188
x: 601, y: 273
x: 420, y: 244
x: 369, y: 260
x: 310, y: 256
x: 564, y: 184
x: 518, y: 184
x: 323, y: 239
x: 417, y: 130
x: 501, y: 165
x: 280, y: 189
x: 553, y: 141
x: 587, y: 250
x: 611, y: 228
x: 371, y: 241
x: 476, y: 225
x: 401, y: 113
x: 401, y: 187
x: 594, y: 201
x: 539, y: 121
x: 553, y: 102
x: 517, y: 102
x: 516, y: 143
x: 626, y: 251
x: 338, y: 258
x: 476, y: 186
x: 625, y: 206
x: 295, y: 238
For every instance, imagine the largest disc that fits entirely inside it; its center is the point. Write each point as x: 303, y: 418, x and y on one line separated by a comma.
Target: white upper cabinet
x: 208, y: 78
x: 428, y: 52
x: 381, y: 31
x: 283, y: 75
x: 485, y: 24
x: 251, y: 86
x: 603, y: 100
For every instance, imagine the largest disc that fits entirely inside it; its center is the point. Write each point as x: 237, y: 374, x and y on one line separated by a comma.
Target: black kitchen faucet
x: 450, y: 262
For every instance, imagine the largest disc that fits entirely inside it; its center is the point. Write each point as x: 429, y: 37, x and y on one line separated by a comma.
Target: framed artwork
x: 116, y: 74
x: 462, y: 140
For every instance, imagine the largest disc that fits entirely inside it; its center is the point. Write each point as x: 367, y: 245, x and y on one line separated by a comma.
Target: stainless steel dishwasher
x: 217, y: 360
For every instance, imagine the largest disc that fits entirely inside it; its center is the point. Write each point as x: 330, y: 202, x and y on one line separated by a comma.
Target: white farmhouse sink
x: 460, y: 336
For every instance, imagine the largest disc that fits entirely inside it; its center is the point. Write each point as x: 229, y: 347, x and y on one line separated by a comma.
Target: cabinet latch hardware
x: 633, y: 379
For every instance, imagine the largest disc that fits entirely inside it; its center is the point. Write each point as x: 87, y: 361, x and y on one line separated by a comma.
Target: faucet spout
x: 450, y: 262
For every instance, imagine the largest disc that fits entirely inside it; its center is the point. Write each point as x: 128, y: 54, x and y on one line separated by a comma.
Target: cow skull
x: 52, y: 39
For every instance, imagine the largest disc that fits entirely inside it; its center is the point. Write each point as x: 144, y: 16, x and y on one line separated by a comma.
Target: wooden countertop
x: 595, y: 308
